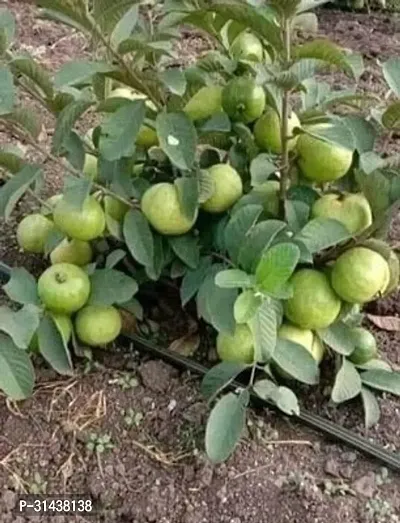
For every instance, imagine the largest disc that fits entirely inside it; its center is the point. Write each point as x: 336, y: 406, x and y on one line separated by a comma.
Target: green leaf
x: 258, y: 241
x: 220, y: 303
x: 11, y: 159
x: 375, y: 364
x: 139, y: 238
x: 114, y: 258
x: 295, y: 360
x: 391, y: 116
x: 338, y: 337
x: 225, y: 425
x: 218, y: 123
x: 53, y: 239
x: 193, y: 280
x: 78, y: 72
x: 53, y: 348
x: 266, y: 390
x: 391, y: 72
x: 382, y: 380
x: 119, y: 131
x: 261, y: 169
x: 264, y: 327
x: 76, y: 190
x: 28, y: 67
x: 65, y: 122
x: 7, y: 94
x: 371, y: 161
x: 233, y: 279
x: 326, y: 51
x: 347, y: 383
x: 27, y: 119
x: 297, y: 214
x: 372, y: 412
x: 277, y: 266
x: 107, y: 14
x: 376, y: 188
x: 178, y: 138
x: 187, y: 248
x: 17, y: 376
x: 16, y: 187
x: 134, y: 307
x: 109, y: 287
x: 188, y: 195
x: 174, y: 80
x: 20, y: 325
x: 286, y: 400
x: 364, y: 132
x: 246, y: 306
x: 337, y: 133
x: 206, y: 183
x: 125, y: 26
x: 70, y: 13
x: 321, y: 233
x: 7, y: 24
x: 219, y: 377
x: 239, y: 227
x: 22, y: 287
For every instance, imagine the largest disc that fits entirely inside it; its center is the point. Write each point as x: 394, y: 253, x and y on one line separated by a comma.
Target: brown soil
x: 155, y: 469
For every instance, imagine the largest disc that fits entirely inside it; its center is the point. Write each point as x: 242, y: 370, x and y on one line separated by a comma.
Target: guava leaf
x: 339, y: 338
x: 7, y: 24
x: 325, y: 50
x: 119, y: 131
x: 186, y: 247
x: 154, y: 269
x: 193, y: 280
x: 17, y: 376
x: 188, y: 195
x: 139, y: 238
x: 286, y: 400
x: 20, y: 325
x: 264, y: 327
x: 22, y: 287
x: 219, y: 377
x: 372, y: 412
x: 7, y: 94
x: 239, y: 227
x: 220, y: 303
x: 347, y: 383
x: 174, y: 80
x: 382, y: 380
x: 364, y: 132
x: 246, y: 306
x: 296, y: 361
x: 391, y: 72
x: 391, y: 116
x: 76, y: 191
x: 233, y: 279
x: 11, y: 159
x: 321, y: 233
x: 261, y: 168
x: 178, y: 138
x: 66, y: 121
x: 114, y: 258
x: 225, y: 425
x: 80, y: 71
x: 16, y: 187
x: 125, y: 26
x: 276, y: 267
x: 266, y: 389
x: 109, y: 286
x: 53, y: 348
x: 33, y: 70
x: 376, y: 364
x: 297, y: 214
x: 27, y: 119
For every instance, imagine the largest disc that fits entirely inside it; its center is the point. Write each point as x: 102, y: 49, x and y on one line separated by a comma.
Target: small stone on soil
x: 365, y: 486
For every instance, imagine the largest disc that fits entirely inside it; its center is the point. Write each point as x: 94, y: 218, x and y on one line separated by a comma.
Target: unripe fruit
x: 97, y: 325
x: 353, y: 210
x: 115, y: 208
x: 205, y: 103
x: 90, y: 167
x: 85, y: 224
x: 247, y: 46
x: 304, y: 337
x: 267, y: 131
x: 228, y: 188
x: 366, y: 347
x: 32, y: 233
x: 76, y: 252
x: 243, y: 100
x: 238, y: 346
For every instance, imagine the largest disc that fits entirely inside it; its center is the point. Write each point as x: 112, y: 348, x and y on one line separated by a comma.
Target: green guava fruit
x: 359, y: 275
x: 267, y: 131
x: 394, y: 270
x: 147, y: 137
x: 366, y: 347
x: 205, y: 103
x: 304, y: 337
x: 243, y: 100
x: 85, y: 224
x: 160, y: 204
x: 90, y: 167
x: 64, y: 288
x: 33, y: 231
x: 97, y: 325
x: 115, y: 208
x: 247, y: 46
x: 238, y: 346
x: 353, y: 210
x: 321, y: 161
x: 48, y: 207
x: 314, y: 304
x: 77, y: 252
x: 228, y: 188
x: 64, y: 326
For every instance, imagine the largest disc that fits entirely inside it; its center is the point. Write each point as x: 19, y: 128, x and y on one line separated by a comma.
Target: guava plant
x: 245, y: 177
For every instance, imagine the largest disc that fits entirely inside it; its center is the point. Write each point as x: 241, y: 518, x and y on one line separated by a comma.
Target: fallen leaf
x: 186, y: 345
x: 129, y: 322
x: 387, y: 323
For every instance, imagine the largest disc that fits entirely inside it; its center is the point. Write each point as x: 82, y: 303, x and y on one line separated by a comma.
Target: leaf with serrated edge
x: 372, y: 412
x: 17, y: 376
x: 347, y: 383
x: 219, y: 377
x: 225, y: 425
x: 382, y: 380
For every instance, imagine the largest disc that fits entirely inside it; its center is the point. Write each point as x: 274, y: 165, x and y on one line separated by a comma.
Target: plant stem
x: 285, y: 166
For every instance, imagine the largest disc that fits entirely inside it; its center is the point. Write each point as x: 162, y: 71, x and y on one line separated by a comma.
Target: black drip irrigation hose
x: 327, y: 428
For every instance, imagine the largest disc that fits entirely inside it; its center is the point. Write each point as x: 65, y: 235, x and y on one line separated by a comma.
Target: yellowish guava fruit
x: 33, y: 231
x: 359, y: 275
x: 115, y: 208
x: 77, y: 252
x: 314, y: 304
x: 97, y: 325
x: 304, y: 337
x: 267, y: 131
x: 353, y: 210
x: 160, y: 204
x: 84, y: 224
x: 247, y: 46
x: 205, y: 103
x: 238, y: 346
x: 228, y: 188
x: 90, y: 167
x: 321, y: 161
